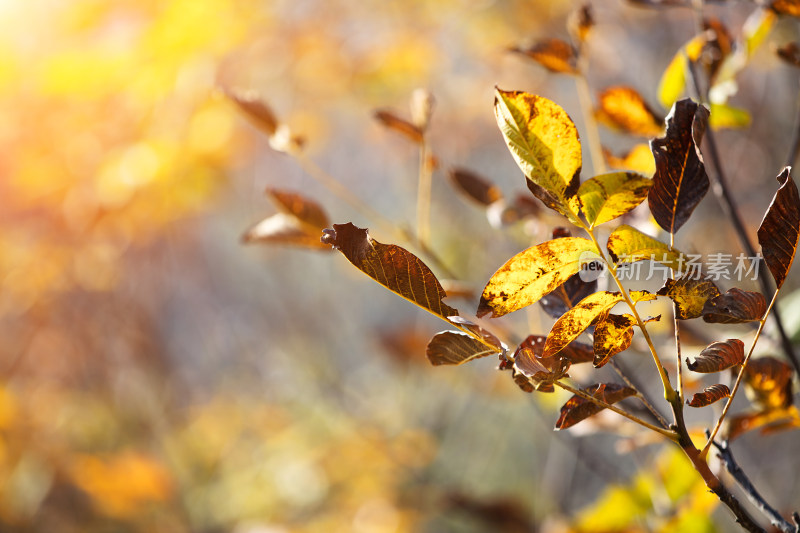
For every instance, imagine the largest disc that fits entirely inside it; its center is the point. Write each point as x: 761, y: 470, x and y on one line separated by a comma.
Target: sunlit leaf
x: 580, y: 22
x: 734, y: 307
x: 627, y: 244
x: 282, y: 228
x: 639, y: 159
x: 575, y: 352
x: 680, y: 181
x: 754, y: 33
x: 576, y: 320
x: 786, y: 7
x: 612, y: 334
x: 474, y: 186
x: 541, y: 372
x: 769, y: 421
x: 790, y: 53
x: 455, y: 348
x: 545, y: 144
x: 255, y: 109
x: 690, y: 295
x: 780, y: 229
x: 487, y: 336
x: 768, y: 383
x: 531, y: 274
x: 624, y: 108
x: 575, y: 289
x: 578, y: 408
x: 718, y: 356
x: 553, y: 54
x: 391, y: 121
x: 711, y: 394
x: 395, y: 268
x: 724, y: 116
x: 608, y: 196
x: 305, y: 210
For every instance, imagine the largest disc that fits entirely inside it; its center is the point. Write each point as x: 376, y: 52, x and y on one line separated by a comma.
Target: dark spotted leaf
x: 393, y: 122
x: 624, y: 108
x: 690, y: 295
x: 455, y: 348
x: 768, y: 383
x: 474, y: 186
x: 540, y: 371
x: 780, y: 229
x: 395, y: 268
x: 569, y: 293
x: 299, y: 222
x: 612, y: 334
x: 680, y: 181
x: 578, y: 408
x: 553, y: 54
x: 711, y: 394
x: 734, y: 307
x: 627, y: 244
x: 531, y: 274
x: 608, y: 196
x: 718, y: 356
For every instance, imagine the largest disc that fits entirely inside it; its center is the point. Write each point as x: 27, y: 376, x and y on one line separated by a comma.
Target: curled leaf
x: 455, y: 348
x: 627, y: 244
x: 680, y: 181
x: 768, y: 383
x: 690, y: 295
x: 612, y: 334
x: 624, y: 108
x: 734, y: 307
x: 608, y: 196
x: 553, y: 54
x: 718, y: 356
x: 575, y: 352
x: 711, y: 394
x: 394, y: 267
x: 578, y: 408
x: 541, y: 372
x: 779, y: 231
x: 474, y: 186
x: 391, y: 121
x: 531, y: 274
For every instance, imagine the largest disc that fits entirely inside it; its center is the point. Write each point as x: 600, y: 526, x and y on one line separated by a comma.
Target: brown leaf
x: 578, y: 408
x: 575, y: 352
x: 393, y: 122
x: 395, y: 268
x: 612, y: 334
x: 790, y: 53
x: 735, y: 307
x: 718, y: 356
x: 483, y: 333
x: 709, y: 395
x: 540, y: 371
x: 680, y: 181
x: 305, y: 210
x: 255, y: 110
x: 690, y: 295
x: 553, y: 54
x: 770, y: 421
x: 786, y: 7
x: 580, y: 22
x: 769, y: 383
x: 780, y: 229
x: 455, y: 348
x: 624, y: 108
x: 298, y: 224
x: 474, y: 186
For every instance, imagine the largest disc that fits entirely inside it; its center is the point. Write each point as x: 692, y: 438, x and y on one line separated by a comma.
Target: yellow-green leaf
x: 612, y: 334
x: 673, y: 80
x: 724, y: 116
x: 627, y: 244
x: 531, y: 274
x: 607, y: 196
x: 545, y: 144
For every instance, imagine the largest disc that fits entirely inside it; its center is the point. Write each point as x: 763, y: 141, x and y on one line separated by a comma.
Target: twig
x: 750, y: 491
x: 639, y: 394
x: 794, y: 146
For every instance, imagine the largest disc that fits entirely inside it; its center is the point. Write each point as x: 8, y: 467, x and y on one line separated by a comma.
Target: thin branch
x: 794, y: 146
x: 639, y: 394
x: 424, y: 192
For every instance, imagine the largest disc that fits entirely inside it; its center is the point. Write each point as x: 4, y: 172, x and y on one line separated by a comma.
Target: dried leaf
x: 718, y: 356
x: 455, y: 348
x: 768, y: 383
x: 624, y: 108
x: 541, y: 372
x: 572, y: 291
x: 305, y: 210
x: 627, y: 244
x: 786, y: 7
x: 483, y: 333
x: 612, y: 334
x: 580, y: 22
x: 395, y: 268
x: 734, y: 307
x: 255, y: 109
x: 575, y: 352
x: 711, y: 394
x: 639, y: 159
x: 553, y: 54
x: 545, y: 144
x: 578, y: 408
x: 608, y: 196
x: 282, y: 228
x: 780, y: 229
x: 576, y: 320
x: 531, y: 274
x: 770, y: 421
x: 790, y: 53
x: 680, y: 181
x: 393, y: 122
x: 474, y: 186
x: 690, y: 295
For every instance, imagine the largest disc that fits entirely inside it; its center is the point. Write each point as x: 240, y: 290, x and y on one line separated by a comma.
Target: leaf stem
x: 592, y: 130
x: 424, y: 192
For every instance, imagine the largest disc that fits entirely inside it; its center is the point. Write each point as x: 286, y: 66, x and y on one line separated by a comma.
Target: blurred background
x: 157, y: 375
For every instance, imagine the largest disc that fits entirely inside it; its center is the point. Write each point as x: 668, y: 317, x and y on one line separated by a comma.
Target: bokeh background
x: 157, y: 375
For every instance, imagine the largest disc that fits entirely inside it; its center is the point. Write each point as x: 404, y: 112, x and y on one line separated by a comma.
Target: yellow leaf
x: 532, y: 273
x: 724, y: 116
x: 553, y: 54
x: 627, y: 245
x: 690, y: 295
x: 639, y: 159
x: 625, y: 109
x: 605, y: 197
x: 613, y: 334
x: 673, y: 80
x: 545, y: 144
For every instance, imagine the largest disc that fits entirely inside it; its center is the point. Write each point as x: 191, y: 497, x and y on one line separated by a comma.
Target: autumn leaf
x: 580, y: 23
x: 578, y: 408
x: 790, y: 53
x: 476, y: 187
x: 624, y: 108
x: 711, y: 394
x: 780, y: 229
x: 734, y: 307
x: 718, y: 356
x: 563, y: 297
x: 255, y: 109
x: 639, y: 159
x: 608, y: 196
x: 545, y: 144
x: 612, y: 334
x: 690, y: 295
x: 553, y: 54
x: 769, y: 421
x: 299, y: 223
x: 627, y: 244
x: 391, y: 121
x: 768, y: 383
x: 576, y: 320
x: 724, y: 116
x: 785, y: 7
x: 541, y: 372
x: 531, y: 274
x: 395, y: 268
x: 575, y: 352
x: 673, y: 79
x: 522, y: 207
x: 680, y: 181
x: 455, y: 348
x: 479, y: 332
